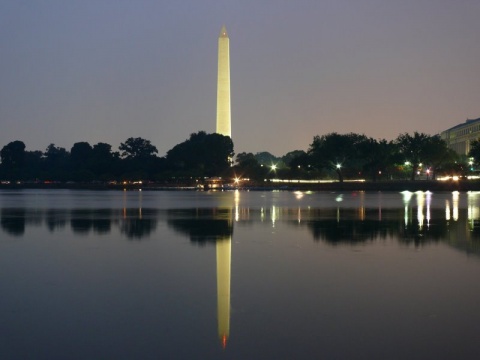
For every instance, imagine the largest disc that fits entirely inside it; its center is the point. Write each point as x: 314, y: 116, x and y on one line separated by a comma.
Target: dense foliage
x: 203, y: 155
x: 356, y: 156
x: 330, y: 156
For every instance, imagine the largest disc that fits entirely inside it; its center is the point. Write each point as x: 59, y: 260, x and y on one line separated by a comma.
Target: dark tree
x: 414, y: 149
x: 103, y: 150
x: 438, y: 155
x: 292, y: 155
x: 338, y: 153
x: 137, y: 148
x: 13, y: 155
x: 267, y: 159
x: 33, y: 165
x: 105, y: 163
x: 475, y: 151
x: 138, y: 159
x: 378, y: 157
x: 299, y: 163
x: 80, y: 157
x: 202, y: 155
x: 53, y: 153
x: 247, y: 160
x: 80, y: 153
x: 56, y: 164
x: 249, y: 167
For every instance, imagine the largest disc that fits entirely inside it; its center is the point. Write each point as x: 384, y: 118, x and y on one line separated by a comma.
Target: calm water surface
x: 239, y: 275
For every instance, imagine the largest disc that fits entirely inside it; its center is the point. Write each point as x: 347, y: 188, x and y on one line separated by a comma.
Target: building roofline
x: 467, y: 122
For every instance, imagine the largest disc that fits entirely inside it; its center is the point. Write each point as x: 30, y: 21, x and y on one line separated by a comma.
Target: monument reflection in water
x: 364, y: 263
x: 213, y: 225
x: 224, y: 251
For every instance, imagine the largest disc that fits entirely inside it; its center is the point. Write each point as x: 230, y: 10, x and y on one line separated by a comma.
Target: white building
x: 461, y: 136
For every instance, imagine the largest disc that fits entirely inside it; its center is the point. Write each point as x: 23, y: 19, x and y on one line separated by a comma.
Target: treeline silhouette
x: 354, y: 156
x: 330, y: 156
x: 201, y: 155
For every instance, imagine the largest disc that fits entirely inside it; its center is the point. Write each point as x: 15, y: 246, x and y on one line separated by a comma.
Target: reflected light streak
x: 361, y: 208
x: 237, y: 201
x: 298, y: 194
x: 140, y: 204
x: 361, y: 213
x: 455, y: 198
x: 420, y: 204
x: 407, y: 195
x: 473, y: 209
x: 447, y: 210
x: 429, y: 202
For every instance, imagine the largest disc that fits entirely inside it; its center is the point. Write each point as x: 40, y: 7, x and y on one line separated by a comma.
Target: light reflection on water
x: 298, y: 275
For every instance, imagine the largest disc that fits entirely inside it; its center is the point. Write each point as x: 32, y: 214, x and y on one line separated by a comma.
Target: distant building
x: 459, y: 137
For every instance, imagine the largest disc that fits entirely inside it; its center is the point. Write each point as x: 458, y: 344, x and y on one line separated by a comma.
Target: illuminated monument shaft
x: 224, y: 244
x: 223, y: 85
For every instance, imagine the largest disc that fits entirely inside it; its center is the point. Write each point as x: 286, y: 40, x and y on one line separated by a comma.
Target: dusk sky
x: 106, y: 70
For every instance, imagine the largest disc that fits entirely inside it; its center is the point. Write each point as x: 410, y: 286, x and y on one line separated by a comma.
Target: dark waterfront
x: 292, y: 185
x: 238, y: 274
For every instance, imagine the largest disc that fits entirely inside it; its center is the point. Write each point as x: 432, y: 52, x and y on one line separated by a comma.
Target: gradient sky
x: 106, y: 70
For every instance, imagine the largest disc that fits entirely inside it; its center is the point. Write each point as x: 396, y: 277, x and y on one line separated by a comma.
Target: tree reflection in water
x: 133, y: 223
x: 202, y: 225
x: 13, y: 221
x: 55, y: 219
x: 82, y: 221
x: 414, y: 224
x: 212, y: 226
x: 138, y: 223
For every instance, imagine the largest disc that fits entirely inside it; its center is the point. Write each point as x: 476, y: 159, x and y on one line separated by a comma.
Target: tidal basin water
x: 239, y: 275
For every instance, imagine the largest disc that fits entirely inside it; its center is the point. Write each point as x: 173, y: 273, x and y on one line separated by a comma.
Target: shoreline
x: 418, y: 185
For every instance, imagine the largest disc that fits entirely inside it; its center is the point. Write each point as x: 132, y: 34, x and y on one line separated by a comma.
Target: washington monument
x: 223, y: 85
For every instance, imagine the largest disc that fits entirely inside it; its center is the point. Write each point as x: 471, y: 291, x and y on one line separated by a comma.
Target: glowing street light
x: 339, y: 166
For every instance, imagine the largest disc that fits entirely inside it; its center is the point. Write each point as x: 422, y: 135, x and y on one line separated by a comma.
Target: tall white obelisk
x: 224, y: 120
